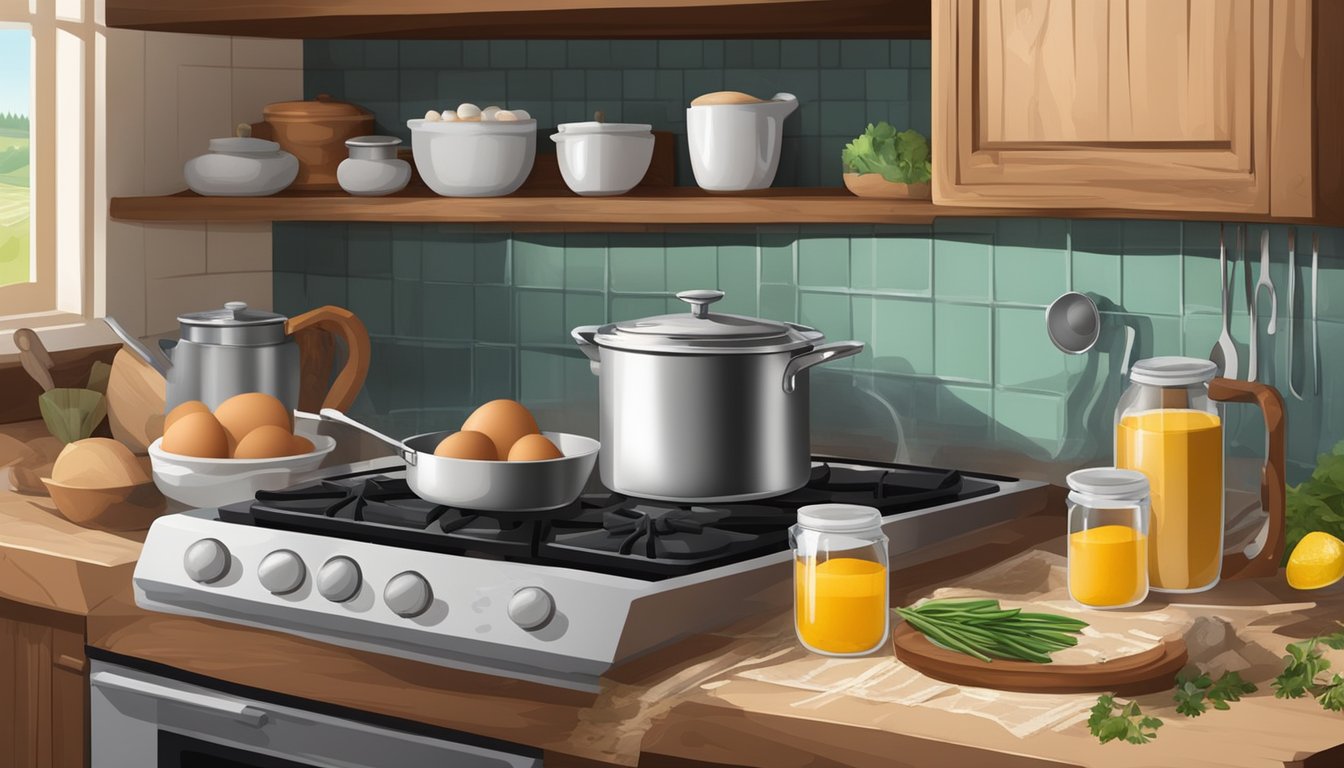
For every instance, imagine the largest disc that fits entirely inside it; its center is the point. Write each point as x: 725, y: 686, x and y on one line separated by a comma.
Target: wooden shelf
x: 641, y: 210
x: 514, y: 19
x: 651, y: 209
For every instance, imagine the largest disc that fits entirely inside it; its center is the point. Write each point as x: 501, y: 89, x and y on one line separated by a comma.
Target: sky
x: 15, y: 60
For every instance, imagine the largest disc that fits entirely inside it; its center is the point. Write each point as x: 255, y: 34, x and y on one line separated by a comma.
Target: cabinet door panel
x: 1103, y: 103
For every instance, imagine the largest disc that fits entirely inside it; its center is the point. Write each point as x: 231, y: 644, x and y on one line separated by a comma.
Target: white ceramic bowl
x: 736, y: 147
x: 212, y: 482
x: 474, y: 159
x: 241, y: 167
x: 603, y: 158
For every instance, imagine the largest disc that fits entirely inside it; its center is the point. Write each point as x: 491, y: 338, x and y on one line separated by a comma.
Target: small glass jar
x: 1108, y: 537
x: 840, y: 579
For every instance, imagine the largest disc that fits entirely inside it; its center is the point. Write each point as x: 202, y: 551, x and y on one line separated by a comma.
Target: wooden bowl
x: 873, y: 185
x: 124, y: 508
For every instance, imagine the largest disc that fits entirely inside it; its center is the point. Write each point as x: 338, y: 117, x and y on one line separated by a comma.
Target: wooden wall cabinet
x: 43, y: 688
x: 1193, y: 105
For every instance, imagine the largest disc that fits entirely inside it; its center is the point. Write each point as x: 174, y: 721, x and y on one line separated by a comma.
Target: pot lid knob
x: 700, y: 300
x: 236, y: 307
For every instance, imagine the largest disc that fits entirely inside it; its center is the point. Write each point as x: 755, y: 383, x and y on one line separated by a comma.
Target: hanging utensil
x: 1315, y: 329
x: 1224, y: 352
x: 1293, y: 388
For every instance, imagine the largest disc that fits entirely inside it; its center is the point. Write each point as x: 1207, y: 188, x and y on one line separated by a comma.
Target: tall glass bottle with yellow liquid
x: 1169, y: 426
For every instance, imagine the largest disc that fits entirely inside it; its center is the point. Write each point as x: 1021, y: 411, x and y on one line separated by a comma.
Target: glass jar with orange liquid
x: 840, y: 579
x: 1169, y: 426
x: 1108, y: 537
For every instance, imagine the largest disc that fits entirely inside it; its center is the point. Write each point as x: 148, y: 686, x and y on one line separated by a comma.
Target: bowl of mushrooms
x: 474, y: 152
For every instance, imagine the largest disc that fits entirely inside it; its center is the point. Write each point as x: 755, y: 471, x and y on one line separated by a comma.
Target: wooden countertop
x: 50, y: 562
x: 688, y: 704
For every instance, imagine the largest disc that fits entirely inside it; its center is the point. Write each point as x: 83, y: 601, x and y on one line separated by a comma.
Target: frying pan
x: 497, y: 486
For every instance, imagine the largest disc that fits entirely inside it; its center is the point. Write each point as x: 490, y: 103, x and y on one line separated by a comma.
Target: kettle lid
x: 235, y: 324
x: 234, y: 313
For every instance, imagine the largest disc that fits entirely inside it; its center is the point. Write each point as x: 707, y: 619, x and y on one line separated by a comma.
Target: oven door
x: 139, y: 720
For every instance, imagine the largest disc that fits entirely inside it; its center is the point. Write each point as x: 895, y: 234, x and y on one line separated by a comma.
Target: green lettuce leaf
x: 900, y: 157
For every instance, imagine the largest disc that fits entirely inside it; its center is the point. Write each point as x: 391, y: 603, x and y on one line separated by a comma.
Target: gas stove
x: 558, y: 597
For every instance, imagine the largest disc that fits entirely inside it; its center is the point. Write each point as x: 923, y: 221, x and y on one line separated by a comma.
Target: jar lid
x: 1109, y: 483
x: 839, y: 518
x: 700, y: 331
x: 1172, y: 371
x: 322, y: 108
x: 373, y: 141
x: 243, y: 145
x: 594, y: 126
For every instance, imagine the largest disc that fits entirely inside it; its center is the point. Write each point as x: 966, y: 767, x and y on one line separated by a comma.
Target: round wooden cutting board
x: 1144, y: 672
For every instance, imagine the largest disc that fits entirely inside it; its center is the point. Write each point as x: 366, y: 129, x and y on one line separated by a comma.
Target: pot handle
x: 340, y: 322
x: 823, y: 354
x: 403, y: 450
x: 583, y: 336
x: 1240, y: 565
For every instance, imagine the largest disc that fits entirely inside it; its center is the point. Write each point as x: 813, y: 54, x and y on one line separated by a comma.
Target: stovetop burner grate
x: 605, y: 532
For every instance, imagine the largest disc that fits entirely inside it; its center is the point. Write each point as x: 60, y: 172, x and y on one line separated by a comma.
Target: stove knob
x: 206, y: 561
x: 338, y: 579
x: 408, y: 594
x: 531, y: 607
x: 281, y: 572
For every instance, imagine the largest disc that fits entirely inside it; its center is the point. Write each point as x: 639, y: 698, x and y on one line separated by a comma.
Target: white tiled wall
x: 167, y: 96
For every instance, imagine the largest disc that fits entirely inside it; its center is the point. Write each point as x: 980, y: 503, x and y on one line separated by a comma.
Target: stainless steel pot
x: 702, y: 406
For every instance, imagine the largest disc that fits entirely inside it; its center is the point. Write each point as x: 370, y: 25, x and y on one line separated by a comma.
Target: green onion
x: 986, y: 631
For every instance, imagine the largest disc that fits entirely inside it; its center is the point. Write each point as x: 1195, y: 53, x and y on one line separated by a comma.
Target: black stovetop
x: 604, y: 532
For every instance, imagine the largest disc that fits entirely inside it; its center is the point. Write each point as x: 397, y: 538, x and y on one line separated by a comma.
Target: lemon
x: 1317, y: 561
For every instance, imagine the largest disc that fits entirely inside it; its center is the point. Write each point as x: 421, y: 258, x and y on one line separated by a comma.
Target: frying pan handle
x: 408, y: 455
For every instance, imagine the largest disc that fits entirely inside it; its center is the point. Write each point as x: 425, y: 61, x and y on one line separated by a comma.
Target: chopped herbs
x: 984, y: 630
x: 1195, y: 690
x: 1305, y: 663
x: 1130, y: 724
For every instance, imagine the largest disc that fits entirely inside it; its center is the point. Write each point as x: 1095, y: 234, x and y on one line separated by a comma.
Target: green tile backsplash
x: 953, y: 319
x: 953, y: 315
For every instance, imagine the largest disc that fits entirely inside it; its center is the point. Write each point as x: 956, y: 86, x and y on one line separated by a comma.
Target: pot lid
x: 242, y: 145
x: 594, y: 126
x: 234, y: 314
x: 700, y: 331
x: 1172, y: 371
x: 322, y: 108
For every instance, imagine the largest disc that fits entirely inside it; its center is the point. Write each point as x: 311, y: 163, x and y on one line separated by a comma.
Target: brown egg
x: 301, y: 445
x: 467, y: 445
x: 534, y: 448
x: 197, y: 434
x: 243, y: 413
x: 190, y: 406
x: 265, y: 442
x: 503, y: 421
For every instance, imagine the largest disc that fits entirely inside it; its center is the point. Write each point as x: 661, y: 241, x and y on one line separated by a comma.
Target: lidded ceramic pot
x: 241, y: 166
x: 373, y: 167
x: 600, y: 158
x: 315, y: 132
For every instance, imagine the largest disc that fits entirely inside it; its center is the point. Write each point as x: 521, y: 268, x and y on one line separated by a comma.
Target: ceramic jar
x: 373, y: 168
x: 736, y: 147
x: 598, y: 158
x: 315, y: 132
x: 241, y: 166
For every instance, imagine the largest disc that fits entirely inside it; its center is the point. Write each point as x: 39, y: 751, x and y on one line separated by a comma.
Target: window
x: 51, y: 54
x: 16, y: 102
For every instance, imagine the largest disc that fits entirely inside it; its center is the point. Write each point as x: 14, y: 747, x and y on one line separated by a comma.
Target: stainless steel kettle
x: 229, y: 351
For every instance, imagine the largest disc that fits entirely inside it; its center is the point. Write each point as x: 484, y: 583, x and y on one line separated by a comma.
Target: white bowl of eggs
x: 474, y: 152
x: 246, y: 445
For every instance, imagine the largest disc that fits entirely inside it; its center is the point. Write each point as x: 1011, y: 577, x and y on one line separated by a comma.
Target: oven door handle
x: 235, y: 710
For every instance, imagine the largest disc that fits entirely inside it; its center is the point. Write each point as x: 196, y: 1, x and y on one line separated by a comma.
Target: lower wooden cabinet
x: 44, y: 700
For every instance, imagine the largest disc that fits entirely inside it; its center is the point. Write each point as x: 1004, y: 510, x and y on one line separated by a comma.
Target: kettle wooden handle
x: 1273, y: 493
x: 344, y: 323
